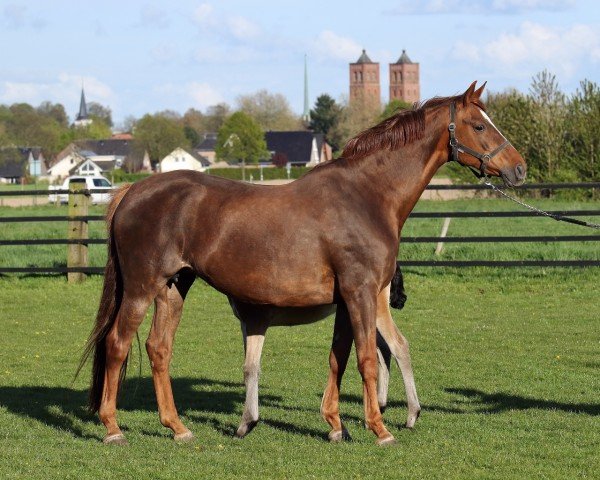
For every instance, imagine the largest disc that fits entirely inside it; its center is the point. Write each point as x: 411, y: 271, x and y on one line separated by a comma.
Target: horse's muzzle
x: 513, y: 177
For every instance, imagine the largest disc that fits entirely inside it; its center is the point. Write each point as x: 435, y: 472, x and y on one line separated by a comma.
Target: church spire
x: 82, y: 119
x: 306, y: 112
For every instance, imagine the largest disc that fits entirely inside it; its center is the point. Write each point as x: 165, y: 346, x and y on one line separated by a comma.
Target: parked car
x: 92, y: 182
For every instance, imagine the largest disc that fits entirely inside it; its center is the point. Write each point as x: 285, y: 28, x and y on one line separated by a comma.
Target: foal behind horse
x: 256, y: 320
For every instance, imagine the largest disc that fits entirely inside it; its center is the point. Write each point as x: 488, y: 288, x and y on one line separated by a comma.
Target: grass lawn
x: 506, y: 364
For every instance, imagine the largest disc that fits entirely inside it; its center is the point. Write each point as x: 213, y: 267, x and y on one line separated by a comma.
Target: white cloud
x: 65, y: 89
x: 153, y: 17
x: 329, y: 45
x: 436, y: 7
x: 534, y: 47
x: 202, y: 95
x: 203, y: 15
x: 242, y: 28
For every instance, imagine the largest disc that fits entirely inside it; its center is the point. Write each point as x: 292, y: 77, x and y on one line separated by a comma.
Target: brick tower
x: 404, y: 80
x: 364, y: 81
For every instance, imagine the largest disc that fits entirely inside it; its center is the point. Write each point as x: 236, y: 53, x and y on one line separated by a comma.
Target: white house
x: 181, y: 159
x: 62, y: 168
x: 87, y: 167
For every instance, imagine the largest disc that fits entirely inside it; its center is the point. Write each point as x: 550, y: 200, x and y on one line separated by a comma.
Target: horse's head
x: 476, y: 142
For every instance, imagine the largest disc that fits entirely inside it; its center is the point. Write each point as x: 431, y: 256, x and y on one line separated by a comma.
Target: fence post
x: 77, y: 253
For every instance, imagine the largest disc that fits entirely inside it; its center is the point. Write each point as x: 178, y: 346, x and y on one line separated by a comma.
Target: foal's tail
x: 110, y: 302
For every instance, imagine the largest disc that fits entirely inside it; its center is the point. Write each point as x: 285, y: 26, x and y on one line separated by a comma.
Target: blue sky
x: 144, y: 56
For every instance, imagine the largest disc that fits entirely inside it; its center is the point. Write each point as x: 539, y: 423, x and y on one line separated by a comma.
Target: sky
x: 139, y: 57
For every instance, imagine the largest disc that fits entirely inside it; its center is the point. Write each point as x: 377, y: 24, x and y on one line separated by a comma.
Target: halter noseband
x: 458, y: 147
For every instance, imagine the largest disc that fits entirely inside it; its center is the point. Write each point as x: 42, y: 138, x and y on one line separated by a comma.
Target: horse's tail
x: 112, y: 293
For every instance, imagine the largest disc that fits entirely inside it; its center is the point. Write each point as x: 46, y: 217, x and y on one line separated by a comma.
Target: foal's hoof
x: 245, y: 429
x: 412, y: 419
x: 184, y: 437
x: 386, y: 441
x: 115, y: 439
x: 337, y: 436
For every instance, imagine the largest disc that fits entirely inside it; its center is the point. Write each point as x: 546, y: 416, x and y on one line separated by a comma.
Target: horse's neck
x: 402, y: 175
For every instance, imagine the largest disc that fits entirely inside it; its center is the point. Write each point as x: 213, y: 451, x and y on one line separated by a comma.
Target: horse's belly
x: 291, y: 316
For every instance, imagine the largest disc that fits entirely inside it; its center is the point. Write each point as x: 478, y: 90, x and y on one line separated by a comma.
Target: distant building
x: 404, y: 78
x: 181, y: 159
x: 82, y: 119
x: 17, y: 163
x: 206, y: 147
x: 301, y: 148
x: 364, y: 81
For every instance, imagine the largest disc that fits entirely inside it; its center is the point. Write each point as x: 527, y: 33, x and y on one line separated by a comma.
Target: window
x: 101, y: 182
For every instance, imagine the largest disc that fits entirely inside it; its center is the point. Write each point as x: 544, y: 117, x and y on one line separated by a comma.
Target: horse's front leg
x: 253, y: 331
x: 362, y: 307
x: 338, y: 359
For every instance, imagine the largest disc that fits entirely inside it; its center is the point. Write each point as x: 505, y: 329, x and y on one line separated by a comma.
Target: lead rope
x: 554, y: 216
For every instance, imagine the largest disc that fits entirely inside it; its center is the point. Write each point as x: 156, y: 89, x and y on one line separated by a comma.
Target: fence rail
x: 78, y: 243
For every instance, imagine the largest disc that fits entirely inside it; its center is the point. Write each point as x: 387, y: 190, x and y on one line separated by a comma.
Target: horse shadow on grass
x: 479, y: 402
x: 65, y: 408
x: 200, y: 400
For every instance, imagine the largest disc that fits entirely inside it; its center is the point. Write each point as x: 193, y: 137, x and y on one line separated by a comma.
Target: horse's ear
x: 468, y: 95
x: 479, y: 91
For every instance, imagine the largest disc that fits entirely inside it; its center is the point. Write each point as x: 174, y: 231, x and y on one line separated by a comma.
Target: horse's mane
x: 394, y: 132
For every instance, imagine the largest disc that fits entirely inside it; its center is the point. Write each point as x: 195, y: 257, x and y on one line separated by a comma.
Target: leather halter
x: 458, y: 147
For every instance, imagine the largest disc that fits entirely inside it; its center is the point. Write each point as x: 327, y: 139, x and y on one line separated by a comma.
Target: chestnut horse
x: 330, y: 237
x: 269, y: 316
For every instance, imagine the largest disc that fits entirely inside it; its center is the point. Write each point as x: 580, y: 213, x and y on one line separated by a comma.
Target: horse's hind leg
x: 398, y: 347
x: 253, y: 330
x: 117, y: 344
x: 167, y: 314
x: 338, y: 359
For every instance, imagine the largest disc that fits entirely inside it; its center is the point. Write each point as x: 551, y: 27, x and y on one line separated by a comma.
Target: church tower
x: 364, y: 81
x: 404, y: 80
x: 82, y: 119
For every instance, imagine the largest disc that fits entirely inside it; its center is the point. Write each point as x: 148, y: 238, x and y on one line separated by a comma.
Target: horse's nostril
x: 520, y: 171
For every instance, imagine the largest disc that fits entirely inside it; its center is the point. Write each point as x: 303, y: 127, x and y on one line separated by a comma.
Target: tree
x: 393, y: 107
x: 55, y: 111
x: 270, y: 111
x: 356, y: 117
x: 583, y: 127
x: 241, y: 138
x: 159, y: 135
x: 324, y: 117
x: 100, y: 112
x: 215, y: 116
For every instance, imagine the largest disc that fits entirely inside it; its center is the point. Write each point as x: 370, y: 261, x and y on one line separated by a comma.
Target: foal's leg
x: 384, y: 358
x: 338, y: 359
x: 168, y: 309
x: 398, y: 346
x: 362, y: 307
x: 131, y: 313
x: 253, y: 330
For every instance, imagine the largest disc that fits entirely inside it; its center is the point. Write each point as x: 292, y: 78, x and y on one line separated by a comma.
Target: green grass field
x: 506, y: 368
x: 505, y: 360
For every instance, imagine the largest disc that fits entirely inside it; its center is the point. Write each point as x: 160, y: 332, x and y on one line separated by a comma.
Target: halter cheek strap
x: 457, y: 147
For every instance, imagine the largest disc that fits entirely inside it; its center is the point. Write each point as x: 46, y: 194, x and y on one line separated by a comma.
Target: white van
x: 92, y: 182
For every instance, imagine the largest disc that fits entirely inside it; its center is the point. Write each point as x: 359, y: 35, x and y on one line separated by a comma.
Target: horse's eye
x: 479, y: 127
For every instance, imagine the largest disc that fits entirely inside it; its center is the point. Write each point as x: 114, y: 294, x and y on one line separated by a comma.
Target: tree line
x: 557, y: 134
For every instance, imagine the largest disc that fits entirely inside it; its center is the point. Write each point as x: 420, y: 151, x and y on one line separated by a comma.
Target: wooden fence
x: 77, y: 240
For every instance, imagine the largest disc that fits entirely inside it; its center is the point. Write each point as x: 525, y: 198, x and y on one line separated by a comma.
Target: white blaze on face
x: 485, y: 115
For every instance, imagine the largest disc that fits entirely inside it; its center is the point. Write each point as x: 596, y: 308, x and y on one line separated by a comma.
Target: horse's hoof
x: 115, y: 439
x: 184, y: 437
x: 336, y: 436
x: 386, y: 441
